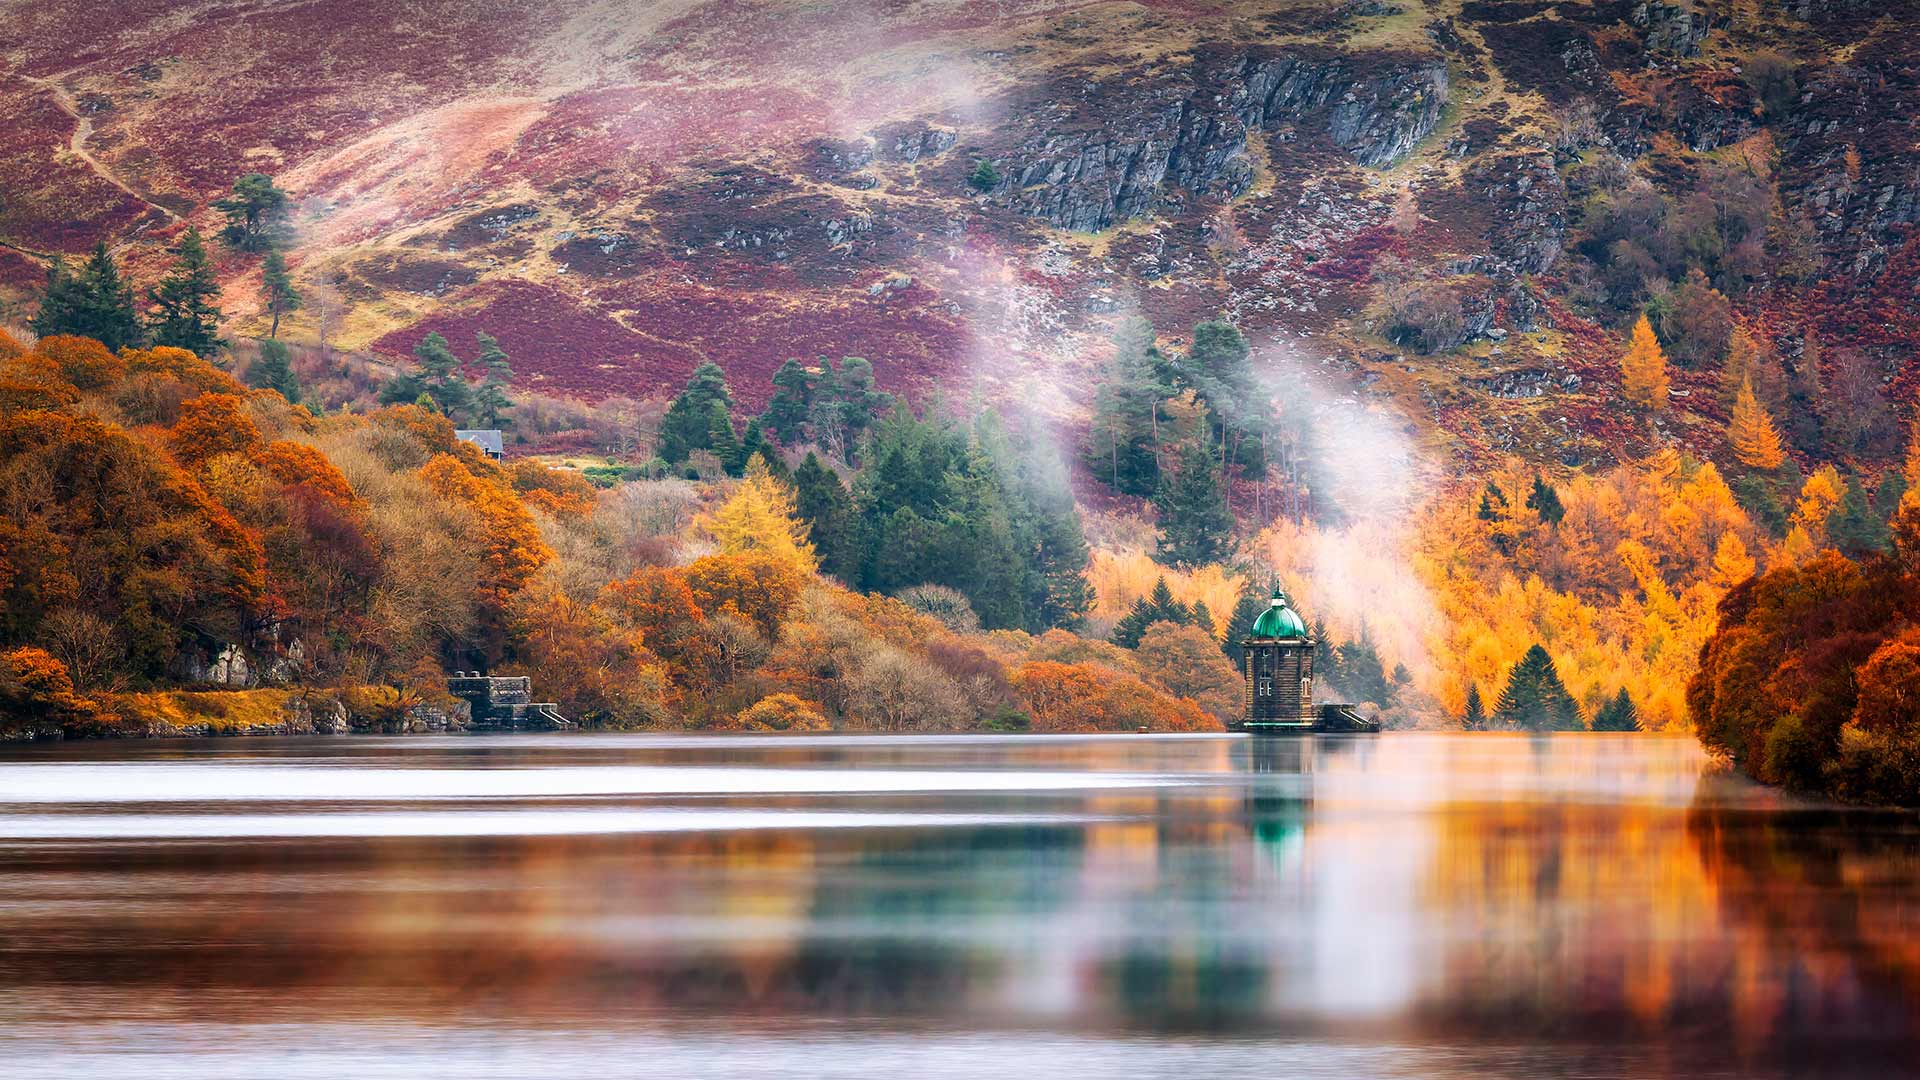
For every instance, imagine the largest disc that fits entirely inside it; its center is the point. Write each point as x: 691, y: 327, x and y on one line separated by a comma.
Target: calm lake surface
x: 588, y: 906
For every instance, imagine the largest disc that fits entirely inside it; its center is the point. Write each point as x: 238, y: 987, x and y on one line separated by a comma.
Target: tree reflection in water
x: 1573, y: 895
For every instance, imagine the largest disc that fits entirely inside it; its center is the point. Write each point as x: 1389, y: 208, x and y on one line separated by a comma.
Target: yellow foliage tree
x: 1755, y: 441
x: 1731, y: 562
x: 1818, y: 497
x: 759, y: 516
x: 1743, y: 353
x: 1797, y: 549
x: 1643, y: 370
x: 1912, y: 468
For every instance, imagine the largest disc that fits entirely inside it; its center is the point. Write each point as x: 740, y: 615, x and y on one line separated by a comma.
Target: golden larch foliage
x: 1755, y: 441
x: 759, y: 517
x: 1732, y: 564
x: 1818, y: 497
x: 1643, y: 370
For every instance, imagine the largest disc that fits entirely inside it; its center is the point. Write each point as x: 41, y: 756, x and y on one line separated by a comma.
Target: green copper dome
x: 1279, y: 620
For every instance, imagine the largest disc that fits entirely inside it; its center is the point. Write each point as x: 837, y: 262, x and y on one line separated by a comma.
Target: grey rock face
x: 1672, y: 28
x: 1529, y: 201
x: 1092, y: 154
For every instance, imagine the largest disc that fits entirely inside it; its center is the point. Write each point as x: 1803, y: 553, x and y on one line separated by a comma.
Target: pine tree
x: 1475, y: 716
x: 274, y: 370
x: 1326, y: 651
x: 821, y: 500
x: 1202, y: 618
x: 1359, y: 671
x: 186, y: 303
x: 491, y: 400
x: 1618, y: 714
x: 1755, y: 441
x: 254, y: 213
x: 1643, y: 369
x: 1545, y: 501
x: 1216, y: 368
x: 1157, y: 606
x: 688, y: 424
x: 1535, y: 699
x: 1122, y: 447
x: 1196, y: 525
x: 791, y: 404
x: 752, y: 443
x: 277, y: 293
x: 440, y: 375
x: 93, y: 303
x: 1240, y: 624
x: 1853, y: 527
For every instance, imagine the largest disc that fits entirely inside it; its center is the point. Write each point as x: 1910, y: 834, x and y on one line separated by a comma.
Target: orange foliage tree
x: 1089, y: 697
x: 1643, y: 369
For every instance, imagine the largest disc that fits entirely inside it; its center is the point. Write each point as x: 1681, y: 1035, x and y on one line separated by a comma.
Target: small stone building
x: 1277, y: 663
x: 488, y: 440
x: 505, y: 702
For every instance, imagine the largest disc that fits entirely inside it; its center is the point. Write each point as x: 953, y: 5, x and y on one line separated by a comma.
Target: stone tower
x: 1277, y: 663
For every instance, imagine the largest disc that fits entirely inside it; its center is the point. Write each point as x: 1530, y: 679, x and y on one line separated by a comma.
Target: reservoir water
x: 1116, y: 906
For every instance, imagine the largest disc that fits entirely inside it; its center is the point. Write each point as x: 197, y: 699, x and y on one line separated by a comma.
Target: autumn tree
x: 1643, y: 369
x: 186, y: 303
x: 760, y: 516
x: 1185, y: 662
x: 1755, y: 441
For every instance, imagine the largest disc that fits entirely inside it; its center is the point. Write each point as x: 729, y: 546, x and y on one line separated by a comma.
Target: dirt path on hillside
x: 82, y: 131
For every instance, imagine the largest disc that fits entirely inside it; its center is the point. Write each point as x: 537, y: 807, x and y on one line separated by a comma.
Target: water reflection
x: 1417, y: 904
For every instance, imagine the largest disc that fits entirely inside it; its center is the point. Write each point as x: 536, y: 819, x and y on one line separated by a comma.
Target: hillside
x: 618, y: 192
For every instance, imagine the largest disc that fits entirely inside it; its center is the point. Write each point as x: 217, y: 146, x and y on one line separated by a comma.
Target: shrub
x: 949, y: 606
x: 780, y: 712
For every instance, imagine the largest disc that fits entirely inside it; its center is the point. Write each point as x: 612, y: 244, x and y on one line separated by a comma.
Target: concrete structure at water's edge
x: 505, y: 703
x: 1276, y: 659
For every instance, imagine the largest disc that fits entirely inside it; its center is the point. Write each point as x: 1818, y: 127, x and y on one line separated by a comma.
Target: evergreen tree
x: 274, y: 370
x: 1122, y: 444
x: 1201, y: 617
x: 1535, y: 699
x: 791, y: 405
x: 753, y: 442
x: 984, y: 177
x: 823, y: 503
x: 438, y: 374
x: 1326, y: 652
x: 1755, y: 441
x: 1618, y: 714
x: 1360, y: 672
x: 1493, y: 503
x: 1854, y: 527
x: 1045, y: 523
x: 1475, y: 716
x: 722, y: 440
x: 1545, y: 501
x: 491, y: 400
x: 277, y: 293
x: 1196, y: 525
x: 95, y: 303
x: 254, y: 212
x: 688, y: 424
x: 1756, y: 495
x: 1240, y: 624
x: 1216, y: 368
x: 1643, y: 369
x: 1157, y: 606
x: 186, y: 303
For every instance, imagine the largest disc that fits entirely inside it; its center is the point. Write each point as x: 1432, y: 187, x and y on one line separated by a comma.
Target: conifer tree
x: 1643, y: 369
x: 722, y: 440
x: 760, y: 516
x: 688, y: 424
x: 822, y: 501
x: 1326, y: 651
x: 791, y: 404
x: 440, y: 375
x: 95, y: 303
x: 274, y: 370
x: 491, y: 400
x: 1202, y: 618
x: 1159, y: 605
x: 1216, y: 368
x: 1618, y: 714
x: 1196, y: 525
x: 277, y: 293
x: 186, y: 303
x: 1755, y: 441
x: 1853, y: 527
x: 1122, y: 446
x: 1474, y: 718
x: 1545, y: 501
x: 752, y: 442
x: 1240, y: 624
x: 1741, y: 365
x: 254, y: 213
x: 1359, y: 671
x: 1535, y: 699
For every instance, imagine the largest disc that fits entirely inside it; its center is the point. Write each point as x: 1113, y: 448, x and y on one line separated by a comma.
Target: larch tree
x: 186, y: 303
x: 760, y: 516
x: 1755, y: 441
x: 1643, y: 370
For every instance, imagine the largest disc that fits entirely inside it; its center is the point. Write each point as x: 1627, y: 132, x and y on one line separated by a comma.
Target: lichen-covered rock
x: 1090, y: 153
x: 1672, y: 28
x: 1849, y: 158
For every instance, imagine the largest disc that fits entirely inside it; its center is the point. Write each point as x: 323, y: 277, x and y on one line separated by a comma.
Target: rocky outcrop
x: 1848, y: 158
x: 1528, y: 200
x: 1672, y: 28
x: 1091, y: 153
